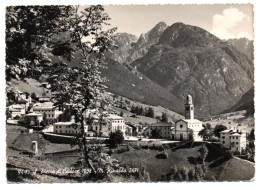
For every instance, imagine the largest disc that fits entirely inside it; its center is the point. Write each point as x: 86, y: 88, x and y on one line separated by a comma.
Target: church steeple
x: 189, y: 109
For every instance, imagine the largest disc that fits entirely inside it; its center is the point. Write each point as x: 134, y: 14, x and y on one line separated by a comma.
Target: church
x: 184, y: 128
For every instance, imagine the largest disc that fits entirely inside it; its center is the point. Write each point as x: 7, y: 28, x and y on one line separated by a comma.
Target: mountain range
x: 244, y: 45
x: 167, y: 63
x: 185, y: 59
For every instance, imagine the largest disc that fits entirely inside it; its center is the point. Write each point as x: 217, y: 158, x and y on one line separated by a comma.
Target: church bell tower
x: 189, y: 108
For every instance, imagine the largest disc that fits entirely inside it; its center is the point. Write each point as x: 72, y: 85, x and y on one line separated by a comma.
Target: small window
x: 237, y: 137
x: 181, y: 126
x: 236, y: 142
x: 223, y: 142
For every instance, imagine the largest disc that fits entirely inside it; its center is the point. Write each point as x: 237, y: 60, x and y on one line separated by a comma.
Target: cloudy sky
x: 225, y: 21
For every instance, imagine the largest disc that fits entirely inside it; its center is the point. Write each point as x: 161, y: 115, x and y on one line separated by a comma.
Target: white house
x: 163, y: 128
x: 69, y: 128
x: 110, y: 123
x: 49, y: 110
x: 234, y: 140
x: 65, y: 128
x: 16, y: 110
x: 188, y: 126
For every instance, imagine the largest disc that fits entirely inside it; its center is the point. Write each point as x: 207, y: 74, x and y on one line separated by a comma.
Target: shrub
x: 214, y: 139
x: 116, y: 138
x: 228, y: 154
x: 145, y: 146
x: 184, y: 172
x: 162, y: 155
x: 111, y: 151
x: 203, y: 153
x: 166, y: 146
x: 191, y: 174
x: 17, y: 117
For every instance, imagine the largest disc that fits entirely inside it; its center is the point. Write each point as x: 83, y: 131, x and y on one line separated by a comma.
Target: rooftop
x: 112, y: 116
x: 235, y: 134
x: 16, y: 106
x: 160, y: 124
x: 33, y: 114
x: 190, y: 120
x: 226, y: 131
x: 43, y: 107
x: 232, y: 133
x: 64, y: 123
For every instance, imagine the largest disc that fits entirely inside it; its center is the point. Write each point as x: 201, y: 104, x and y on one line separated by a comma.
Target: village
x: 41, y: 123
x: 40, y: 114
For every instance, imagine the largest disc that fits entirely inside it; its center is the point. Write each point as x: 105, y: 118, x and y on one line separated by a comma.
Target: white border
x: 206, y: 185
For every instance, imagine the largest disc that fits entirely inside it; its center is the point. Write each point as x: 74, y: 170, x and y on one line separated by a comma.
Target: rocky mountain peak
x: 188, y: 59
x: 182, y: 35
x: 157, y: 30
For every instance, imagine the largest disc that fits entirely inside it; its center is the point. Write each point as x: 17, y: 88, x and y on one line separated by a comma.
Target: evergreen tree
x: 150, y: 112
x: 141, y: 111
x: 133, y: 108
x: 136, y: 110
x: 164, y: 118
x: 251, y: 136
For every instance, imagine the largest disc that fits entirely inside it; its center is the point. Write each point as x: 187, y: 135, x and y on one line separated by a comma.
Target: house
x: 110, y: 123
x: 129, y: 130
x: 16, y: 110
x: 33, y: 119
x: 234, y: 140
x: 163, y: 128
x: 65, y: 128
x: 68, y: 128
x: 188, y: 127
x: 49, y: 110
x: 24, y: 99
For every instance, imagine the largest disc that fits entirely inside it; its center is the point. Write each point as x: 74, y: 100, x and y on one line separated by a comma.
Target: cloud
x: 224, y: 25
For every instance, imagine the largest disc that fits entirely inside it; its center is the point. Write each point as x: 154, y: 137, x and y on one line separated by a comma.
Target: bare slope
x: 135, y: 86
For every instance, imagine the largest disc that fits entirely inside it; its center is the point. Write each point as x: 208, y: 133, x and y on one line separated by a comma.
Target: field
x: 234, y: 119
x: 158, y: 110
x: 157, y: 167
x: 61, y: 156
x: 234, y: 170
x: 231, y: 170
